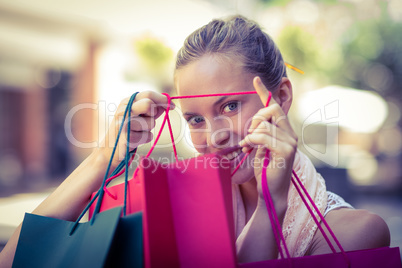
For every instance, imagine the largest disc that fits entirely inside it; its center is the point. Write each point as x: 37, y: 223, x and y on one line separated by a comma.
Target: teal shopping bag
x: 127, y: 246
x: 47, y: 242
x: 111, y: 241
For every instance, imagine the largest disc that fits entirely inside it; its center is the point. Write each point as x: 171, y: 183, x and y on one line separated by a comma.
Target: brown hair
x: 239, y: 37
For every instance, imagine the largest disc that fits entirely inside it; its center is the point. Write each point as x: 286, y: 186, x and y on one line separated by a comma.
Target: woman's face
x: 217, y: 124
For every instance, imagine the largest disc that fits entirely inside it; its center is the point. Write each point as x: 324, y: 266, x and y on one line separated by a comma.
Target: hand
x: 270, y: 130
x: 147, y: 107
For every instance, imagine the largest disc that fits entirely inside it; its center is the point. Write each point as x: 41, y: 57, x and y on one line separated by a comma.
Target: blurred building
x: 46, y: 67
x: 65, y: 66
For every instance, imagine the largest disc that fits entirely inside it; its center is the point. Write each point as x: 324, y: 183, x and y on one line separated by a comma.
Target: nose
x: 220, y: 136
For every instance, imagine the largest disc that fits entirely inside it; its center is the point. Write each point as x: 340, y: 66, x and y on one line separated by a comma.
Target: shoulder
x: 355, y: 229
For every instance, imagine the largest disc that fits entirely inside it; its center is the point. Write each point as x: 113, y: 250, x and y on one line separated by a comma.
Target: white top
x: 334, y: 201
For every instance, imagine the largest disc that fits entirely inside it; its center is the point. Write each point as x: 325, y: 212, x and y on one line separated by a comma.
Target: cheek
x: 247, y: 114
x: 245, y: 120
x: 198, y: 140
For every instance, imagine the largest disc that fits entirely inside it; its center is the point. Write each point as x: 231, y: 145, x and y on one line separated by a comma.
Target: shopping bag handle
x: 166, y: 119
x: 275, y: 221
x: 127, y: 114
x: 101, y: 191
x: 277, y: 230
x: 276, y: 226
x: 274, y: 218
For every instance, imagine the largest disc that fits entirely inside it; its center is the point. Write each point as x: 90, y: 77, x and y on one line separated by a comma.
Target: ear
x: 284, y: 94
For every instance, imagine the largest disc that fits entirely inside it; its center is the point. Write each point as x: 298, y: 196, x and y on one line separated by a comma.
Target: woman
x: 230, y: 56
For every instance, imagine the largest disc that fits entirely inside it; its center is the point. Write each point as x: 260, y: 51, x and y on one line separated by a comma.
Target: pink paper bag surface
x: 160, y: 248
x: 201, y: 200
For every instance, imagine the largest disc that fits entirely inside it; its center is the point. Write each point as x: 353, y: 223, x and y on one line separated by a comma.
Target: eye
x: 194, y: 120
x: 230, y: 107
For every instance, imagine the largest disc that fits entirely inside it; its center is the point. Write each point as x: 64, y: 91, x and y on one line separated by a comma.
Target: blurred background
x: 65, y: 66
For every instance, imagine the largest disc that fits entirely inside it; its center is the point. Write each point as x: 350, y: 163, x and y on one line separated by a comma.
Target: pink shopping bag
x: 187, y: 212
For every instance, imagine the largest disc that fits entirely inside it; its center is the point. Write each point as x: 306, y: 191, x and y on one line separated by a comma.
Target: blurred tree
x: 366, y: 55
x: 355, y: 44
x: 153, y: 52
x: 155, y: 60
x: 303, y: 49
x: 373, y: 57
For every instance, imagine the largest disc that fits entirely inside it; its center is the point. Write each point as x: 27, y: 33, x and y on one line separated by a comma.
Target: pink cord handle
x: 276, y: 226
x: 213, y: 95
x: 298, y: 181
x: 166, y: 119
x: 225, y: 94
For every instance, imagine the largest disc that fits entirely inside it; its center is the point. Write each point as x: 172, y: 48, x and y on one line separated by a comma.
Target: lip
x: 228, y: 150
x: 237, y: 159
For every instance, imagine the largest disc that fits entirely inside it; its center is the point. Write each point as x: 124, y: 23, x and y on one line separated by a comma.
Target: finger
x: 122, y: 106
x: 262, y: 91
x: 268, y: 129
x: 272, y: 130
x: 258, y: 140
x: 141, y: 123
x: 157, y: 98
x: 146, y: 107
x: 140, y: 137
x: 137, y: 138
x: 146, y: 103
x: 273, y: 114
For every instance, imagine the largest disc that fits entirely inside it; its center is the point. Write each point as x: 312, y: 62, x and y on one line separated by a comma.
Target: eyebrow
x: 190, y: 114
x: 219, y: 101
